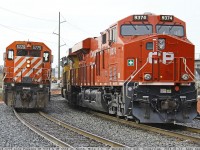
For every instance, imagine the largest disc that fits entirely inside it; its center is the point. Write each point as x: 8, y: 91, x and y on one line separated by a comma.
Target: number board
x: 37, y: 47
x: 140, y: 18
x: 169, y: 18
x: 20, y: 46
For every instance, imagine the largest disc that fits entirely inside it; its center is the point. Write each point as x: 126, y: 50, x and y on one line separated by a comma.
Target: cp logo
x: 166, y: 57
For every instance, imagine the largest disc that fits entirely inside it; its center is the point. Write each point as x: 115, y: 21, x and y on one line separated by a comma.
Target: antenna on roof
x: 148, y: 13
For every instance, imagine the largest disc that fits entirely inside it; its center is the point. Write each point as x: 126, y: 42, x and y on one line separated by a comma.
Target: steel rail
x: 198, y: 118
x: 47, y: 136
x: 148, y: 128
x: 185, y: 128
x: 84, y: 133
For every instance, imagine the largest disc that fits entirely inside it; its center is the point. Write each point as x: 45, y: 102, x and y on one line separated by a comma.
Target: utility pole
x: 59, y: 48
x: 59, y: 45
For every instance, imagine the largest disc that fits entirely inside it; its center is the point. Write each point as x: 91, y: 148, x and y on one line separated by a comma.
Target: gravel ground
x: 14, y: 134
x: 59, y: 132
x: 120, y: 133
x: 195, y: 124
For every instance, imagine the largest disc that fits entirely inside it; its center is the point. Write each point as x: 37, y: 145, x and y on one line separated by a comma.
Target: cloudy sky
x: 37, y: 20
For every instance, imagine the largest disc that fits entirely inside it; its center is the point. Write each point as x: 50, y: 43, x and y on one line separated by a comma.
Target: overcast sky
x: 36, y: 20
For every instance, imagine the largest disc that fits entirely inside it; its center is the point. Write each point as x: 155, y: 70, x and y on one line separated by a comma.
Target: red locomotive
x: 27, y: 74
x: 141, y: 67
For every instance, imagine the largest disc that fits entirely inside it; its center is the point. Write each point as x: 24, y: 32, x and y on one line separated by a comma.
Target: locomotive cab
x: 27, y: 74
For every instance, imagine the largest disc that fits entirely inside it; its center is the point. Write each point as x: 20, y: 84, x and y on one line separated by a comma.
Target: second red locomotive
x: 141, y: 67
x: 27, y: 74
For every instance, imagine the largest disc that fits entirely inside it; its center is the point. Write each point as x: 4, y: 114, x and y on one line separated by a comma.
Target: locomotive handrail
x: 130, y: 79
x: 8, y: 70
x: 132, y: 76
x: 186, y: 67
x: 136, y: 72
x: 190, y: 72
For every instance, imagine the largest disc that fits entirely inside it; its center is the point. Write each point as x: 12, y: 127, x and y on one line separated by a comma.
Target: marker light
x: 147, y: 77
x: 161, y: 44
x: 185, y: 76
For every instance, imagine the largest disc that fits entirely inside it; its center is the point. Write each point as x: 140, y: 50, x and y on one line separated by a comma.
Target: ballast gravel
x: 126, y: 135
x: 14, y: 134
x: 72, y: 138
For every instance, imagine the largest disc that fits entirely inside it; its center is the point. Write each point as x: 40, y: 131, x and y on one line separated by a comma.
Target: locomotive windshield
x: 23, y: 52
x: 136, y: 29
x: 170, y: 29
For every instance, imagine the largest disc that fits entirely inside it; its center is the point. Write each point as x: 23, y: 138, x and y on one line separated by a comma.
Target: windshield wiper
x: 161, y: 26
x: 132, y: 25
x: 172, y: 26
x: 145, y: 25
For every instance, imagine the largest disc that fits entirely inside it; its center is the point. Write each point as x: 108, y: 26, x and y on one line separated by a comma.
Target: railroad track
x: 154, y: 129
x: 47, y: 136
x: 61, y: 143
x: 198, y: 117
x: 185, y: 128
x: 84, y: 133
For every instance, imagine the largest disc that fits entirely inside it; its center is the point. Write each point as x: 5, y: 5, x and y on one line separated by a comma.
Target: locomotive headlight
x: 41, y: 86
x: 28, y: 65
x: 161, y: 44
x: 185, y: 76
x: 12, y: 84
x: 28, y: 61
x: 147, y: 77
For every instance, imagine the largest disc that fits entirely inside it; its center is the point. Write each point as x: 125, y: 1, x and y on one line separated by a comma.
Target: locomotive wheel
x: 118, y: 117
x: 126, y: 118
x: 137, y: 121
x: 49, y: 96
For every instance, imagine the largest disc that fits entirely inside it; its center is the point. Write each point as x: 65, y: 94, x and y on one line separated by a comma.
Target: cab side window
x: 46, y: 57
x: 10, y: 54
x: 104, y: 38
x: 113, y: 34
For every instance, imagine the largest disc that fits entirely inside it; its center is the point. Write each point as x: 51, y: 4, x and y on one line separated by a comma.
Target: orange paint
x: 17, y: 68
x: 198, y: 105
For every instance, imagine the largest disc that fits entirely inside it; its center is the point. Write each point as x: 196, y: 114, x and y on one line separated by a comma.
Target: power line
x: 40, y: 32
x: 17, y: 13
x: 75, y: 26
x: 12, y: 29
